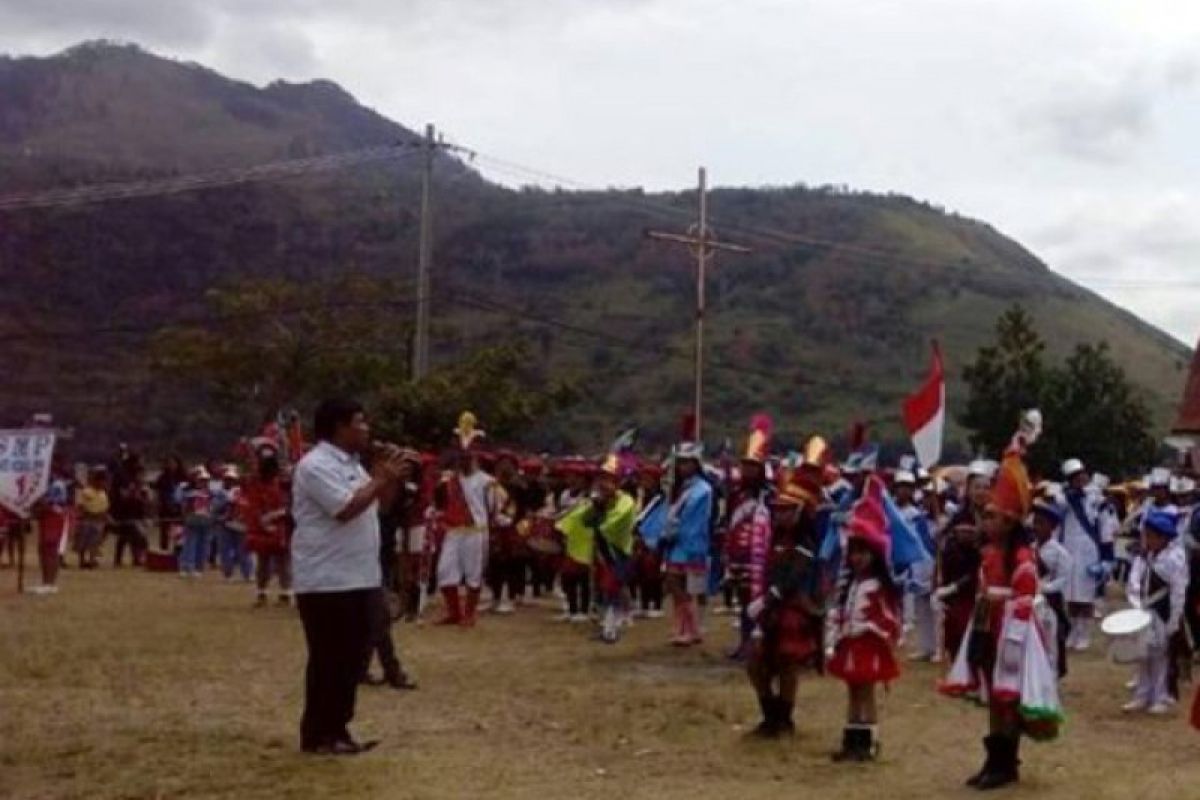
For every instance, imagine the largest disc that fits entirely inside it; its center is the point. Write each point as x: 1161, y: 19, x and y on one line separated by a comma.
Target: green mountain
x: 826, y: 320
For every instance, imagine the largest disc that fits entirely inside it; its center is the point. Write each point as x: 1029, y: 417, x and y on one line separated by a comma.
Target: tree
x: 1095, y: 414
x: 1090, y: 409
x: 499, y: 384
x: 268, y: 345
x: 1005, y: 378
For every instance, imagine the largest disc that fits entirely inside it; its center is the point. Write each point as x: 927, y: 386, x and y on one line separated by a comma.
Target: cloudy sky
x: 1069, y: 124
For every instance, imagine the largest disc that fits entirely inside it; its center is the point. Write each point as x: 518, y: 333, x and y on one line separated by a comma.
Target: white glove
x: 755, y: 609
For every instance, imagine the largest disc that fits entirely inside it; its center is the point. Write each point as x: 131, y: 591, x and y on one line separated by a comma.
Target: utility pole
x: 420, y: 357
x: 700, y: 240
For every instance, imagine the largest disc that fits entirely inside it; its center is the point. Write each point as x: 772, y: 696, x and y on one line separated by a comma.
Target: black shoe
x: 401, y: 680
x: 769, y: 727
x: 784, y: 717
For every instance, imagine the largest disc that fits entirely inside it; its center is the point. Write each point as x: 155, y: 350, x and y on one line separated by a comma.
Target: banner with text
x: 24, y: 467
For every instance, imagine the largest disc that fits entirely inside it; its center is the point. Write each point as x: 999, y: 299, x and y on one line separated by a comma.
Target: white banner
x: 24, y: 467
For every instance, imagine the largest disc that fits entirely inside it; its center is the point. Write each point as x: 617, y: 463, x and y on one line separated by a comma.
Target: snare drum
x: 543, y: 539
x: 1128, y: 633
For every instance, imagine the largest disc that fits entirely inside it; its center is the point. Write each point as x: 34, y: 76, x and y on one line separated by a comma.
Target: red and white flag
x: 925, y: 413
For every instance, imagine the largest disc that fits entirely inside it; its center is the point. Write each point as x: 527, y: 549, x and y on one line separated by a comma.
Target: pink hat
x: 868, y: 520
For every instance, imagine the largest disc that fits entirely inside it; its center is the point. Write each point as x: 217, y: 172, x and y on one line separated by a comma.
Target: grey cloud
x: 1107, y: 120
x: 165, y: 23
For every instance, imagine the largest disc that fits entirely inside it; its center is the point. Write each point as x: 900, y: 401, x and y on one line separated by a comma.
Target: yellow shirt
x: 93, y: 501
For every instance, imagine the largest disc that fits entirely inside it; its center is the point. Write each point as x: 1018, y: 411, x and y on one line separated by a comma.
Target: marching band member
x: 920, y: 577
x: 1054, y: 570
x: 1004, y: 653
x: 462, y: 499
x: 864, y: 627
x: 782, y: 609
x: 749, y: 526
x: 599, y: 534
x: 1088, y: 536
x: 1158, y: 584
x: 686, y: 541
x: 652, y: 517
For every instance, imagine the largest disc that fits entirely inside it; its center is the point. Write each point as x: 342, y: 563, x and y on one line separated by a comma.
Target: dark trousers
x: 129, y: 536
x: 507, y: 570
x: 577, y: 583
x: 337, y: 629
x: 381, y: 639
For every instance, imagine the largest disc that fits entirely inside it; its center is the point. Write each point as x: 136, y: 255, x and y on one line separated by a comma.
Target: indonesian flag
x: 925, y: 413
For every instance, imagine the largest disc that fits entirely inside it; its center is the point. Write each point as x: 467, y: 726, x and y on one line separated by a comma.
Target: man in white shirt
x: 335, y: 559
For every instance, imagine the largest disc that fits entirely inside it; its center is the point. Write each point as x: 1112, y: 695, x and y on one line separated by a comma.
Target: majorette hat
x: 758, y: 443
x: 796, y: 491
x: 1012, y: 494
x: 688, y: 448
x: 620, y: 460
x: 903, y: 477
x: 468, y: 432
x: 815, y: 454
x: 868, y: 520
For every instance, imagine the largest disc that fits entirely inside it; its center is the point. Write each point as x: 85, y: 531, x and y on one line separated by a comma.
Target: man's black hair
x: 333, y: 413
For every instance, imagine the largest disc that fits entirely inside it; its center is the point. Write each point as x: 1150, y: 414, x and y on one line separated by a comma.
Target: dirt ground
x: 136, y: 685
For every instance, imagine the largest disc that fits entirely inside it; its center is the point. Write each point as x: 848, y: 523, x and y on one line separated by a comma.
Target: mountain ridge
x: 840, y: 296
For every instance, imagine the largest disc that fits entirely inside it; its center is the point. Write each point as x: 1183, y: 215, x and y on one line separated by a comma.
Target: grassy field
x: 137, y: 685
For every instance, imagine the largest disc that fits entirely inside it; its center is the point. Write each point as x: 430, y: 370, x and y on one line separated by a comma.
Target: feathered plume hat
x: 1012, y: 494
x: 468, y: 431
x: 758, y: 443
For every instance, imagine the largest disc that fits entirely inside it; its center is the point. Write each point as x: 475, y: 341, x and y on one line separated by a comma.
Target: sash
x: 1075, y: 501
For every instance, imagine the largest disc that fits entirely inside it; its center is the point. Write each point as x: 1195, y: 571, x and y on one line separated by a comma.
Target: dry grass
x: 133, y: 685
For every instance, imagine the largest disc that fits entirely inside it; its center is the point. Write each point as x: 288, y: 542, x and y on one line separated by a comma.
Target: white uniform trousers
x: 462, y: 559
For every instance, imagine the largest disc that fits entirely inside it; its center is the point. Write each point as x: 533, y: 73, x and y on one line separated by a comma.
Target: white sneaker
x: 720, y: 611
x: 639, y: 613
x: 1133, y: 706
x: 1131, y: 684
x: 563, y: 617
x: 42, y: 589
x: 504, y: 607
x: 578, y: 619
x: 1159, y: 709
x: 654, y: 613
x: 51, y: 589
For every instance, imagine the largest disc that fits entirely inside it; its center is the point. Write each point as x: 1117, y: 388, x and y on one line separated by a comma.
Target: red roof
x: 1188, y: 420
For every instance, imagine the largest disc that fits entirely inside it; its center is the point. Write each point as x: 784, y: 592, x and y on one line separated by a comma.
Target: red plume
x: 687, y: 427
x: 762, y: 423
x: 858, y: 435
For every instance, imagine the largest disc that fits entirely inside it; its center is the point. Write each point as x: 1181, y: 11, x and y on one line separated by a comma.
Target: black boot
x: 989, y: 762
x: 769, y: 727
x: 851, y: 744
x: 784, y: 717
x: 1004, y: 771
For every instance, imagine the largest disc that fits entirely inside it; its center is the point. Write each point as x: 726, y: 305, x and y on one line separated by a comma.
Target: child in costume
x: 264, y: 507
x: 1003, y: 655
x: 1054, y: 570
x: 863, y: 628
x: 748, y: 535
x: 599, y: 535
x: 686, y: 542
x: 1158, y: 584
x: 782, y: 609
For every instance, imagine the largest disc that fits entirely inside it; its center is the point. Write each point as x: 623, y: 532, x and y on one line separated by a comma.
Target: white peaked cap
x: 1071, y: 466
x: 1159, y: 476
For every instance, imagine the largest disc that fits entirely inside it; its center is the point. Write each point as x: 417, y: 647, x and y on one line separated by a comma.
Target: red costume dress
x: 865, y: 627
x: 263, y: 506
